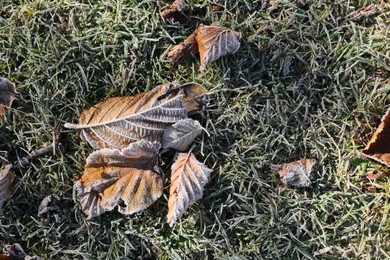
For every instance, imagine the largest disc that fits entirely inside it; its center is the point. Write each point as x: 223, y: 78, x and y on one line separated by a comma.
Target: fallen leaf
x: 15, y: 252
x: 378, y: 148
x: 297, y: 173
x: 119, y: 121
x: 215, y: 41
x: 49, y: 203
x: 188, y: 179
x: 212, y: 42
x: 194, y: 97
x: 5, y: 184
x: 8, y: 93
x: 175, y: 13
x: 181, y: 134
x: 114, y: 176
x: 189, y: 47
x: 363, y: 12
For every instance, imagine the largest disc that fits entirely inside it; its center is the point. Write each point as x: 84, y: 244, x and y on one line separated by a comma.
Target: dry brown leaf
x: 363, y: 12
x: 378, y: 148
x: 175, y: 13
x: 8, y: 93
x: 181, y: 134
x: 188, y: 179
x: 297, y: 173
x: 119, y: 121
x: 189, y: 47
x: 5, y: 184
x: 212, y: 42
x: 114, y: 176
x: 15, y: 252
x: 215, y: 41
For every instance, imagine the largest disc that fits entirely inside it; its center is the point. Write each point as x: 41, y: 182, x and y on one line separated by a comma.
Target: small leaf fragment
x: 215, y: 41
x: 378, y: 148
x: 175, y: 13
x: 297, y: 173
x: 112, y: 176
x: 188, y: 179
x: 5, y: 184
x: 363, y: 12
x: 15, y: 252
x: 8, y: 94
x: 180, y: 135
x: 49, y: 203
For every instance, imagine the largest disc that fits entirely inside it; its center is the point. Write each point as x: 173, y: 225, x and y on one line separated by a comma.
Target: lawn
x: 308, y: 81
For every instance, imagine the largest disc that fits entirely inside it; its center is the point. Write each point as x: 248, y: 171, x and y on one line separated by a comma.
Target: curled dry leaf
x: 48, y: 204
x: 112, y: 176
x: 180, y: 135
x: 8, y: 93
x: 5, y: 184
x: 175, y: 13
x: 188, y: 179
x: 189, y: 47
x: 296, y: 173
x: 378, y: 148
x: 212, y: 42
x: 15, y: 252
x: 119, y: 121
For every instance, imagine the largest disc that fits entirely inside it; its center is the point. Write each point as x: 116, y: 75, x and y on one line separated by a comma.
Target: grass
x: 307, y: 81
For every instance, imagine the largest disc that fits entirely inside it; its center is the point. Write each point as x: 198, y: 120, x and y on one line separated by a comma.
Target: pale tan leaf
x: 188, y: 179
x: 112, y: 176
x: 297, y: 173
x: 215, y: 41
x: 8, y: 93
x: 180, y: 135
x: 175, y: 13
x: 378, y: 147
x: 5, y: 184
x: 189, y: 47
x: 119, y: 121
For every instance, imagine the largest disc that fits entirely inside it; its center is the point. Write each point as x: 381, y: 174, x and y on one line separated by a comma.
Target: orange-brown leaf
x: 297, y: 173
x: 378, y: 148
x: 188, y: 179
x: 194, y: 97
x: 175, y: 13
x: 5, y: 184
x: 215, y: 41
x: 114, y: 176
x: 119, y: 121
x: 189, y: 47
x: 8, y: 93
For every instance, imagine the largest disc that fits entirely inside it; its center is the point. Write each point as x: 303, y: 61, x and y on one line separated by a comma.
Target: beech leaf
x: 175, y: 13
x: 378, y: 148
x: 8, y: 93
x: 215, y: 41
x: 114, y: 176
x: 188, y: 179
x: 180, y: 135
x: 212, y: 42
x: 297, y: 173
x: 119, y: 121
